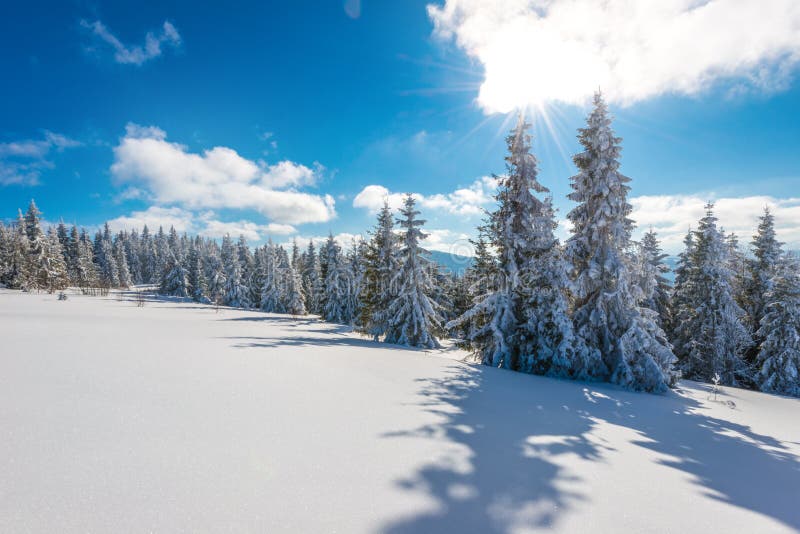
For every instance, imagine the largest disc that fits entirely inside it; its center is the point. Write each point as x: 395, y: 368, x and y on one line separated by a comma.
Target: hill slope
x: 173, y: 417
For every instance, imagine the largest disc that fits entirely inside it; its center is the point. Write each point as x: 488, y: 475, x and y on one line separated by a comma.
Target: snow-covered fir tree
x: 131, y: 245
x: 63, y: 238
x: 652, y: 273
x: 5, y: 253
x: 147, y: 257
x: 161, y: 256
x: 86, y: 275
x: 72, y: 254
x: 250, y: 275
x: 413, y: 316
x: 470, y: 325
x: 54, y: 267
x: 607, y: 314
x: 38, y: 249
x: 532, y: 293
x: 215, y: 273
x: 778, y: 358
x: 761, y: 271
x: 336, y: 284
x: 714, y: 331
x: 548, y: 344
x: 311, y: 278
x: 457, y: 293
x: 683, y: 298
x: 380, y: 265
x: 198, y: 287
x: 18, y: 271
x: 497, y: 319
x: 235, y: 293
x: 294, y: 301
x: 106, y: 259
x: 272, y: 297
x: 118, y: 249
x: 520, y: 317
x: 355, y: 267
x: 175, y: 281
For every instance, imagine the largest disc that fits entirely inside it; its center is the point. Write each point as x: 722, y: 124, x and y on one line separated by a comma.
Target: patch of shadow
x: 513, y: 427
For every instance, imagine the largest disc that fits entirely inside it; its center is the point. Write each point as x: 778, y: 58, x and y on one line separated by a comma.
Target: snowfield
x: 175, y: 417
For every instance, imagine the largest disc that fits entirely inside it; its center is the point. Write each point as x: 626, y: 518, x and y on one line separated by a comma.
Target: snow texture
x: 174, y: 417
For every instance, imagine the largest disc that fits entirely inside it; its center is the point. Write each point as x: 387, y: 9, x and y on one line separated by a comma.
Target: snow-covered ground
x: 177, y: 418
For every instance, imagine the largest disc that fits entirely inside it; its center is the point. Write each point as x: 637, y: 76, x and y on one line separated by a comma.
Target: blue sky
x: 296, y: 118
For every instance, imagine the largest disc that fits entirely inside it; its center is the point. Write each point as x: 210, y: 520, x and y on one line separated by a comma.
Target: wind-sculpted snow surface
x: 178, y: 417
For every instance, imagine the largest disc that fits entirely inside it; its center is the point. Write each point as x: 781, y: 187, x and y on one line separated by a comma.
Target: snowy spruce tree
x: 761, y: 272
x: 381, y: 263
x: 480, y: 278
x: 5, y: 253
x: 198, y: 287
x: 413, y: 316
x: 175, y: 282
x: 272, y: 297
x: 682, y: 303
x: 334, y: 307
x: 607, y: 314
x: 548, y: 344
x: 294, y: 300
x: 520, y: 318
x: 18, y: 271
x: 118, y: 249
x: 713, y: 329
x: 653, y: 276
x: 215, y: 274
x: 38, y: 249
x: 355, y: 267
x: 310, y: 275
x: 86, y: 271
x: 235, y: 293
x: 72, y: 254
x: 500, y: 312
x: 54, y: 267
x: 778, y: 358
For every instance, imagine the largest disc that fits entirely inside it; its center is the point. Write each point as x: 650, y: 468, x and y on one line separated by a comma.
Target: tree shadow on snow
x: 250, y: 342
x: 515, y: 428
x: 324, y: 335
x: 291, y: 320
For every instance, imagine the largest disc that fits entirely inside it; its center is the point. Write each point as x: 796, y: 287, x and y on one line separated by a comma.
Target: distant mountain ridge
x: 453, y: 263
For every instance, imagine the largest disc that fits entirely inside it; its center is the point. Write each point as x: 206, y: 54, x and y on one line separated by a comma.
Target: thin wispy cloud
x: 535, y: 51
x: 22, y: 162
x: 154, y: 42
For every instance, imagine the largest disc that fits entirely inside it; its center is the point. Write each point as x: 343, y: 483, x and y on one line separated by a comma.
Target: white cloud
x: 205, y: 223
x: 535, y: 51
x: 22, y: 162
x: 671, y: 216
x: 250, y: 230
x: 137, y: 54
x: 345, y: 240
x: 153, y: 217
x: 465, y: 201
x: 288, y: 174
x: 217, y: 178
